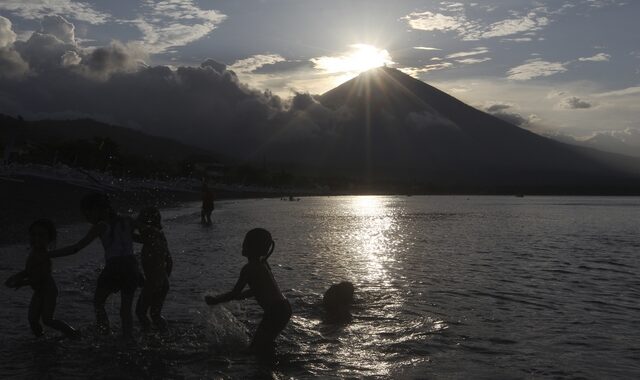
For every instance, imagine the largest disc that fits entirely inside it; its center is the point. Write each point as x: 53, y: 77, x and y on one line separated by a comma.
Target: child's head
x: 96, y: 207
x: 42, y: 233
x: 151, y: 217
x: 257, y: 243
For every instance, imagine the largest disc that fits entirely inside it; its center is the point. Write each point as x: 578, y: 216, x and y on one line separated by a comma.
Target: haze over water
x: 449, y: 287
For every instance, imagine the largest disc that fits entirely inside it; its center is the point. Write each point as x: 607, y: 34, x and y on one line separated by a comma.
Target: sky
x: 552, y: 66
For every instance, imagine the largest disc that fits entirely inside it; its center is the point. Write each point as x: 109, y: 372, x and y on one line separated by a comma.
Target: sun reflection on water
x: 371, y: 235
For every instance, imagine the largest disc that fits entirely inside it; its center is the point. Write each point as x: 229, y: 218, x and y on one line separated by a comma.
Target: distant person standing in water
x: 156, y: 264
x: 37, y: 274
x: 257, y: 247
x: 207, y: 204
x: 120, y: 273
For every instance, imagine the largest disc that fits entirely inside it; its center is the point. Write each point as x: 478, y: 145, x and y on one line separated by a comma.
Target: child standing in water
x: 37, y: 273
x: 156, y: 264
x: 257, y: 247
x: 207, y: 204
x: 120, y: 273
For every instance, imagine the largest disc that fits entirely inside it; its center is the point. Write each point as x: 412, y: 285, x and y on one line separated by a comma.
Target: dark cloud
x: 215, y: 65
x: 11, y: 64
x: 574, y: 102
x: 103, y: 61
x: 504, y: 111
x: 43, y: 51
x: 206, y: 106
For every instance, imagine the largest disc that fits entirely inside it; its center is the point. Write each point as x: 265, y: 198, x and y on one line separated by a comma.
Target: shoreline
x: 25, y: 199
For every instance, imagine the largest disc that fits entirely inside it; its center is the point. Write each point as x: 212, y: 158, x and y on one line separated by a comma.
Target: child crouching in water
x: 37, y: 273
x: 156, y: 264
x: 257, y: 247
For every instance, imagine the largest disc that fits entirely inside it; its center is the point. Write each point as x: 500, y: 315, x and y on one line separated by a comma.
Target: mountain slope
x: 402, y: 127
x: 129, y: 141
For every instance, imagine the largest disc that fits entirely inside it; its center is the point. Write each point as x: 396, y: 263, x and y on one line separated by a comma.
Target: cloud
x: 251, y: 64
x: 425, y: 48
x: 471, y: 30
x: 573, y: 102
x: 37, y: 9
x: 623, y: 92
x: 167, y: 24
x: 504, y: 111
x: 71, y: 58
x: 59, y: 27
x: 470, y: 61
x: 206, y: 106
x: 54, y: 47
x: 11, y: 63
x: 429, y: 21
x: 512, y: 118
x: 7, y: 35
x: 528, y: 23
x: 416, y: 71
x: 286, y: 66
x: 476, y: 51
x: 600, y: 57
x: 536, y: 68
x: 115, y: 58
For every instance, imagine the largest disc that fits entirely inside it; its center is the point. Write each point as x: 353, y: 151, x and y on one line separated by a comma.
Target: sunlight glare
x: 362, y: 57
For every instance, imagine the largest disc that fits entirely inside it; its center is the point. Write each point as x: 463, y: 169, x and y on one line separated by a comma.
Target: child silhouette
x: 37, y: 273
x: 257, y: 247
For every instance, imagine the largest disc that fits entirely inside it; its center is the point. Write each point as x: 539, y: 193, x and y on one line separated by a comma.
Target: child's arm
x: 95, y: 231
x: 17, y: 280
x: 235, y: 294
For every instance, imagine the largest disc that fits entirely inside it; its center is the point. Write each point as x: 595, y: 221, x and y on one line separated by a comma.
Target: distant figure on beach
x: 257, y: 247
x: 207, y: 204
x: 37, y: 274
x: 337, y: 302
x: 120, y: 273
x: 156, y: 264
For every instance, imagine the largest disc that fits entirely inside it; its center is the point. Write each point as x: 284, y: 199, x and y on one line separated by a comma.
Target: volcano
x: 395, y: 127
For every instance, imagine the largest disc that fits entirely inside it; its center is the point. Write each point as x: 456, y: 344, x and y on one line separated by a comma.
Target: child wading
x: 257, y: 247
x: 37, y: 273
x: 157, y: 265
x: 120, y: 273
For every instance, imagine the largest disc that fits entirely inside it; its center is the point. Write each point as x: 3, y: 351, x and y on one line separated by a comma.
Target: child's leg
x: 35, y: 311
x: 50, y: 295
x: 273, y: 322
x: 157, y: 302
x: 126, y: 304
x: 143, y: 304
x: 128, y: 283
x: 103, y: 290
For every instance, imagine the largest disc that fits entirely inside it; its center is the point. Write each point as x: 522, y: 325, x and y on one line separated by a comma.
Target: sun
x: 360, y: 57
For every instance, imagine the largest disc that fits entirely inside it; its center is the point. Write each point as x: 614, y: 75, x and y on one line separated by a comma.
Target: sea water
x: 446, y: 287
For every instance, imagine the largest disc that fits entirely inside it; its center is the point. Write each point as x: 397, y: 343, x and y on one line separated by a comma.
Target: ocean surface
x: 446, y: 287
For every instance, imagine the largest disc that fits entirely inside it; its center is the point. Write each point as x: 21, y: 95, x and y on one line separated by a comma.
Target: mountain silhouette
x: 404, y: 129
